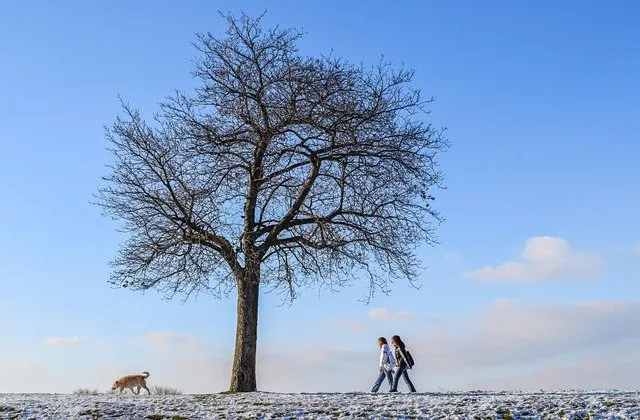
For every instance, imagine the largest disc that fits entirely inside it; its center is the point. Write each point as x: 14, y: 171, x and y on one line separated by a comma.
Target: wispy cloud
x: 636, y: 249
x: 507, y: 338
x: 496, y: 346
x: 513, y: 345
x: 600, y: 370
x: 170, y: 341
x: 163, y: 338
x: 510, y: 333
x: 14, y: 366
x: 65, y: 341
x: 453, y: 257
x: 352, y: 326
x: 384, y: 313
x: 358, y: 369
x: 543, y: 258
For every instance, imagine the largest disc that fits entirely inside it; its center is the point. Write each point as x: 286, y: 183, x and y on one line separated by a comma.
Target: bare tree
x: 279, y: 172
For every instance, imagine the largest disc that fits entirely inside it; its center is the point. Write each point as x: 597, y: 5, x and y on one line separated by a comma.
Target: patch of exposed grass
x: 85, y: 391
x: 94, y: 413
x: 162, y: 417
x: 505, y: 413
x: 165, y: 390
x: 9, y: 413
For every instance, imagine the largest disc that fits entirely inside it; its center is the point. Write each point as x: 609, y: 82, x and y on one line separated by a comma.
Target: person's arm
x: 404, y: 357
x: 392, y: 358
x: 382, y: 356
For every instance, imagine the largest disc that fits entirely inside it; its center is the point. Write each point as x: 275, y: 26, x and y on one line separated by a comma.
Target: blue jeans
x: 384, y: 373
x: 402, y: 371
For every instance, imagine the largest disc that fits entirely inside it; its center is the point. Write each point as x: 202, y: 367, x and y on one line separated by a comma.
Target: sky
x: 535, y: 281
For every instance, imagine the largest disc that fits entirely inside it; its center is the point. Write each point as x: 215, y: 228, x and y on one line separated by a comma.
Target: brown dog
x: 132, y: 381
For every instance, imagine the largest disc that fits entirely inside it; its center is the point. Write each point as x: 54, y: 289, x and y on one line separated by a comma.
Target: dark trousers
x: 402, y: 371
x: 383, y: 374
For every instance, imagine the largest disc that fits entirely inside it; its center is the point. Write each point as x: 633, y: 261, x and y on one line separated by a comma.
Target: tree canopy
x: 279, y: 170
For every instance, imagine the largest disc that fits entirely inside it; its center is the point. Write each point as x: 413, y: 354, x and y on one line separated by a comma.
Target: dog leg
x: 145, y: 387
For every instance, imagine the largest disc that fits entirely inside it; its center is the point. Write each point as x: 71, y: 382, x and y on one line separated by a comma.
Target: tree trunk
x: 243, y: 377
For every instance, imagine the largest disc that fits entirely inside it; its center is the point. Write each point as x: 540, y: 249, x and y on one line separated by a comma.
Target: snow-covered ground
x: 264, y: 405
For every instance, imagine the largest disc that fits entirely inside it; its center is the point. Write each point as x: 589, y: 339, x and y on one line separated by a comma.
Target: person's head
x: 396, y: 341
x: 381, y: 341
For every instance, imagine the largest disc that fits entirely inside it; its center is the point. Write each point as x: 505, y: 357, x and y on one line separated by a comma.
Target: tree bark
x: 243, y: 376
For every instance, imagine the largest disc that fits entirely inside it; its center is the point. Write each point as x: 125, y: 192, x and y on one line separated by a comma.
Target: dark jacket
x: 399, y: 356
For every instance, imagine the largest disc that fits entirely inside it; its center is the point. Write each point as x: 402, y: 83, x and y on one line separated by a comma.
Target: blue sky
x: 534, y: 284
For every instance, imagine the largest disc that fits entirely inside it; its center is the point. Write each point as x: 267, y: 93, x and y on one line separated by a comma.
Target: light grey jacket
x: 387, y: 359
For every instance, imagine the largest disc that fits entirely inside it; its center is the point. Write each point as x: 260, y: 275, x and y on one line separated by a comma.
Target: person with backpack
x: 404, y: 361
x: 387, y: 361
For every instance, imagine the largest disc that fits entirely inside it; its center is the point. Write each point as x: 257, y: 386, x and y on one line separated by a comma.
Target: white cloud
x: 316, y: 369
x: 352, y: 326
x: 510, y: 334
x: 170, y: 342
x: 20, y: 378
x: 279, y: 369
x: 453, y: 257
x: 69, y: 341
x: 14, y: 367
x: 507, y: 344
x: 543, y: 258
x: 383, y: 313
x: 599, y: 371
x: 166, y: 338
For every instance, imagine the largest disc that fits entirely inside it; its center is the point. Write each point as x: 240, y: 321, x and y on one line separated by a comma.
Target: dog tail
x: 145, y: 374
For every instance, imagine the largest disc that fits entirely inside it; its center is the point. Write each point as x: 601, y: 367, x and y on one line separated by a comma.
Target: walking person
x: 403, y: 362
x: 387, y: 361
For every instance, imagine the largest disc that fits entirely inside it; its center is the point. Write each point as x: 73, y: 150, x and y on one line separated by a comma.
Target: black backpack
x: 408, y: 358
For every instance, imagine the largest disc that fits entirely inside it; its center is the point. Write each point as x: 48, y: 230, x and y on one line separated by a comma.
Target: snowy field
x: 264, y: 405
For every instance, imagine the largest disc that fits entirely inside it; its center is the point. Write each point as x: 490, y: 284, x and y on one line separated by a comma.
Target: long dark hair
x: 395, y: 340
